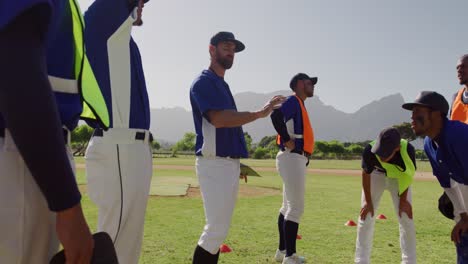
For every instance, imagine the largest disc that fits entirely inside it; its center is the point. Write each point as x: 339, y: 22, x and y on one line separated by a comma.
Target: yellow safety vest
x: 404, y: 177
x: 94, y: 105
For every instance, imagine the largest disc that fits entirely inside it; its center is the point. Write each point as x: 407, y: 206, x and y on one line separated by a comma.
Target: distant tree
x: 336, y: 147
x: 79, y: 139
x: 156, y: 145
x: 265, y: 141
x: 248, y: 142
x: 421, y: 155
x: 322, y: 146
x: 260, y: 153
x: 405, y: 131
x: 355, y: 149
x: 187, y: 143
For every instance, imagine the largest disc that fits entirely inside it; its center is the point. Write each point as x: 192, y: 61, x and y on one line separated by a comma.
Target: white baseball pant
x: 292, y: 169
x: 119, y: 169
x: 27, y: 226
x: 219, y: 185
x: 365, y: 230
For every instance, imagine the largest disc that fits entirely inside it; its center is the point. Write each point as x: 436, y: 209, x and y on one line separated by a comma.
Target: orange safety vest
x: 459, y: 109
x: 308, y: 132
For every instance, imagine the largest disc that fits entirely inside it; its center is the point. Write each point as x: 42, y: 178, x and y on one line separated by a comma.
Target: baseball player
x: 387, y: 163
x: 445, y: 144
x: 119, y: 160
x: 459, y: 110
x: 39, y: 198
x: 220, y: 143
x: 296, y: 143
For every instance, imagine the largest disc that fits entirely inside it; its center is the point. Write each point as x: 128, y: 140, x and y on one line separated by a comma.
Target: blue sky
x: 361, y: 50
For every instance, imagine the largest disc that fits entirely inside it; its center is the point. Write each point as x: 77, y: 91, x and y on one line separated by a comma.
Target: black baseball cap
x: 387, y: 142
x: 227, y: 36
x: 446, y: 206
x: 301, y: 76
x: 430, y: 99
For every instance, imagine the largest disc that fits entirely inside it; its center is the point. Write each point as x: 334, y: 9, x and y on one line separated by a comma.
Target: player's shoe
x: 280, y: 254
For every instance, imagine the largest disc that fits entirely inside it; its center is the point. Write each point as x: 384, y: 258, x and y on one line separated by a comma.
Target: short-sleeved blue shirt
x: 291, y: 110
x: 449, y: 158
x: 211, y: 92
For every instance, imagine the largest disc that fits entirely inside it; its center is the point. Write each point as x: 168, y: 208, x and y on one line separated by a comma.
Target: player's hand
x: 367, y: 208
x: 290, y: 144
x: 460, y: 228
x: 73, y: 232
x: 405, y: 207
x: 271, y: 105
x: 243, y: 176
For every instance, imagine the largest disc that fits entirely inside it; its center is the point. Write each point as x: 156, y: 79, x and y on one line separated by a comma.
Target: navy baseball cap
x: 446, y: 206
x: 430, y: 99
x: 387, y: 142
x: 227, y: 36
x: 301, y: 76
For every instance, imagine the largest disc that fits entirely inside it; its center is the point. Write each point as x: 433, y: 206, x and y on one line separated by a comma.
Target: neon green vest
x: 94, y: 105
x: 404, y: 177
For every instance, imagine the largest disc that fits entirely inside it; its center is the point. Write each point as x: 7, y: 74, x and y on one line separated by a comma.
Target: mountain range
x: 170, y: 124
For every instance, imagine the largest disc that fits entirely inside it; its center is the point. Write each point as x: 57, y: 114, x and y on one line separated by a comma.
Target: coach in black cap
x: 220, y: 143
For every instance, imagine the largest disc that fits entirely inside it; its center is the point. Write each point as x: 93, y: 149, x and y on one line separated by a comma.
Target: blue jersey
x: 447, y: 155
x: 211, y: 92
x: 60, y: 54
x: 116, y: 63
x: 292, y: 113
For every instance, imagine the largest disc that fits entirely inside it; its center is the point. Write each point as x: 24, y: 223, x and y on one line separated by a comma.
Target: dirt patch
x: 244, y: 191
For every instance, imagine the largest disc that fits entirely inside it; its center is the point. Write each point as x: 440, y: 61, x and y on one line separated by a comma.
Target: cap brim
x: 314, y: 80
x: 239, y: 45
x: 410, y: 106
x: 379, y: 150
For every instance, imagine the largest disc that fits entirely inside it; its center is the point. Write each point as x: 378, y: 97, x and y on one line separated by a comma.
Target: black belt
x: 138, y: 135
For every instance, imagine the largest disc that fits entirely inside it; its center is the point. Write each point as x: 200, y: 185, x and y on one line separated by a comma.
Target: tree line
x: 266, y: 148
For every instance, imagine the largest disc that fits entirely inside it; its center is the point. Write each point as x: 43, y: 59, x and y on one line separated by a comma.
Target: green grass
x: 314, y: 164
x: 173, y: 225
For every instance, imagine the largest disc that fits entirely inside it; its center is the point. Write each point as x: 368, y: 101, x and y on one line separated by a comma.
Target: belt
x: 138, y: 135
x: 300, y: 152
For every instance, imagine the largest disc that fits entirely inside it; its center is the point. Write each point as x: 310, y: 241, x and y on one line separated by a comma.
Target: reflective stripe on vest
x: 94, y: 105
x: 459, y: 109
x: 308, y: 132
x: 404, y: 177
x: 63, y: 85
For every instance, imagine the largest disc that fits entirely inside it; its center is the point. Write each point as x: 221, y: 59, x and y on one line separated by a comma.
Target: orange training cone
x: 299, y: 237
x: 224, y: 248
x: 350, y: 223
x: 381, y: 217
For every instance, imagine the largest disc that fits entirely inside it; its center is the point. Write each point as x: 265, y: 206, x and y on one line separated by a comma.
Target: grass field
x: 173, y: 225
